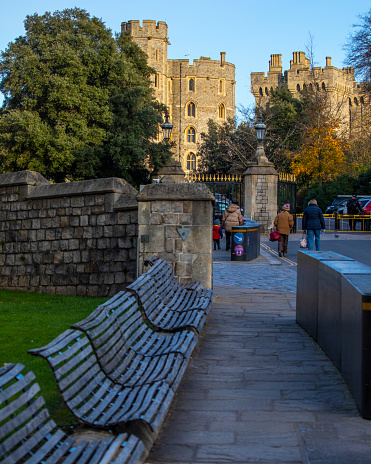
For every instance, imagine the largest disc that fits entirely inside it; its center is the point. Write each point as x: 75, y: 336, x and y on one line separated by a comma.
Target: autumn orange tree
x: 322, y: 151
x: 322, y: 154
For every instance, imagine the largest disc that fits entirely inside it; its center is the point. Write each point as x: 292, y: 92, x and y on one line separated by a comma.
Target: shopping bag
x: 303, y: 242
x: 274, y: 236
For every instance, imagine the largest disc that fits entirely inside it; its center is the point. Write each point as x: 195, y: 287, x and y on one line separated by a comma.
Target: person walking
x: 232, y: 217
x: 283, y: 222
x: 313, y: 222
x: 217, y: 234
x: 353, y: 207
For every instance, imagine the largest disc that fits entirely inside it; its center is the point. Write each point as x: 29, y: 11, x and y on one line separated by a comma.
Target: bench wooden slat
x: 161, y: 315
x: 88, y: 392
x: 178, y: 296
x: 28, y: 435
x: 128, y: 351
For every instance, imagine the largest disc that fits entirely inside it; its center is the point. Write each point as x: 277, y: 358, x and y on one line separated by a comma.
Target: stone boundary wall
x: 175, y: 223
x: 77, y: 238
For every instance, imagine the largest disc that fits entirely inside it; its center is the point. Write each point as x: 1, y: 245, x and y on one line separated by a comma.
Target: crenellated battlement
x: 345, y: 93
x: 149, y: 29
x: 193, y: 92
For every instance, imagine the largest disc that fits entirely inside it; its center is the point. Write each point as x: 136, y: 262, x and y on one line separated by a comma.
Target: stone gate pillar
x: 175, y: 223
x: 260, y: 191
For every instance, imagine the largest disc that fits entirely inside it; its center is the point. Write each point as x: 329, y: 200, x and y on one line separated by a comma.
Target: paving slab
x: 258, y: 389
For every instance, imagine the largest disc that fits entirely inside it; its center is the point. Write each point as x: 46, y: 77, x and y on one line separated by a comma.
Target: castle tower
x: 193, y: 93
x: 152, y: 39
x: 346, y: 95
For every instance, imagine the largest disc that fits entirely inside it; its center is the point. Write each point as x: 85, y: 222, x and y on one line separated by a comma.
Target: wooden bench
x: 164, y: 267
x: 162, y: 315
x: 179, y: 297
x: 27, y: 434
x: 128, y: 351
x: 93, y: 397
x: 114, y: 371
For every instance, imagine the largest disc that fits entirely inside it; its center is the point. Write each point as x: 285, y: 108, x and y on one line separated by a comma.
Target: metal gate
x: 225, y: 188
x: 286, y: 193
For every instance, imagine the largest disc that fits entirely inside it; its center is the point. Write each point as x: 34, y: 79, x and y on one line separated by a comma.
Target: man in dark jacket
x: 313, y: 222
x: 353, y: 207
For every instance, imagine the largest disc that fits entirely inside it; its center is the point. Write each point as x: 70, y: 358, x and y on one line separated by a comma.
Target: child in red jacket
x: 217, y: 234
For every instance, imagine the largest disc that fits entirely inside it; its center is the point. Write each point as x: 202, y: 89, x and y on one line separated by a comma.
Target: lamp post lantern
x: 260, y: 129
x: 166, y: 128
x: 260, y: 133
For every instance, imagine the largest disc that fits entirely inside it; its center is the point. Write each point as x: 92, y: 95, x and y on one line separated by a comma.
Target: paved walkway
x: 258, y: 389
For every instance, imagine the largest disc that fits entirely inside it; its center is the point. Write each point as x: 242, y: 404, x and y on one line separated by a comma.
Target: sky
x: 248, y: 31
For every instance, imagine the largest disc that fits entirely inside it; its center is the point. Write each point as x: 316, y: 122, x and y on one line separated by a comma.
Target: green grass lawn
x: 30, y: 320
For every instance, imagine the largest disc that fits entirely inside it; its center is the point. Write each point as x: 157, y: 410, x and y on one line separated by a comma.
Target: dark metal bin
x: 245, y: 241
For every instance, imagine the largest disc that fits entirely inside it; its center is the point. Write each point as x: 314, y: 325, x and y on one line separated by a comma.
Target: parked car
x: 365, y: 204
x: 219, y: 209
x: 339, y: 205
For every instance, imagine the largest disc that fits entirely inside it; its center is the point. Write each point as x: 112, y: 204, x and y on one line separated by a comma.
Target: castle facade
x: 193, y: 93
x: 346, y: 96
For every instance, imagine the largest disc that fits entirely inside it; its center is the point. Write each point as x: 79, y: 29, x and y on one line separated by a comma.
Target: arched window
x: 191, y: 85
x: 191, y: 162
x: 191, y: 109
x: 323, y: 86
x: 260, y: 91
x: 221, y: 111
x: 191, y: 135
x: 362, y: 101
x: 317, y: 86
x: 157, y: 81
x: 221, y: 86
x: 350, y: 101
x: 304, y: 87
x: 356, y: 101
x: 310, y: 88
x: 298, y: 87
x: 266, y: 91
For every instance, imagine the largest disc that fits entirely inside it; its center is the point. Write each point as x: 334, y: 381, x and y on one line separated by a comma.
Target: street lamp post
x: 166, y: 128
x: 260, y: 133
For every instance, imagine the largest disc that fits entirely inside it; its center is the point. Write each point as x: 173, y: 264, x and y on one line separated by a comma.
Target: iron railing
x: 341, y: 223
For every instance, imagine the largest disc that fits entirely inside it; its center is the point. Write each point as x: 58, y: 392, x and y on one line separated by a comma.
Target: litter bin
x: 245, y: 241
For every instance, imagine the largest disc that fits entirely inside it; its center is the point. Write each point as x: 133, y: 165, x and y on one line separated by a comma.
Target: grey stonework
x: 260, y: 187
x: 76, y: 238
x: 166, y: 211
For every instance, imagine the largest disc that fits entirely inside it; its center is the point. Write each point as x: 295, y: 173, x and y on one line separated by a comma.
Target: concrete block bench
x: 333, y: 304
x: 27, y: 434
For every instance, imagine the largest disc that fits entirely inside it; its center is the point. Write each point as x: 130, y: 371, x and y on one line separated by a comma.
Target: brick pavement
x: 258, y: 389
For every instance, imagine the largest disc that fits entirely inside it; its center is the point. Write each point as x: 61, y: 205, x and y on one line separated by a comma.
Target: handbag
x: 303, y: 242
x: 274, y: 236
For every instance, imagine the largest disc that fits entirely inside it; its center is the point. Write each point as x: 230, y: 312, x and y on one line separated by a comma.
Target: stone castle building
x: 346, y: 95
x: 193, y: 93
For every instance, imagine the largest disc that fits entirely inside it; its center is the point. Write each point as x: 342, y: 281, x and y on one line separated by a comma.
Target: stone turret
x: 192, y: 92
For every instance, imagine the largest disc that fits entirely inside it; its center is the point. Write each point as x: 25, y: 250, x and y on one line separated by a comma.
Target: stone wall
x: 175, y: 223
x: 75, y: 238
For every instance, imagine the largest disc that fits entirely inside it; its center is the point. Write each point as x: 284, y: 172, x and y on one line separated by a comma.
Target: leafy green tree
x: 78, y: 102
x: 282, y: 117
x: 225, y: 148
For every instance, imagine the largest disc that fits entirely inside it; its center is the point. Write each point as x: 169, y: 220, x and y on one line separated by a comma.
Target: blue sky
x: 248, y: 31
